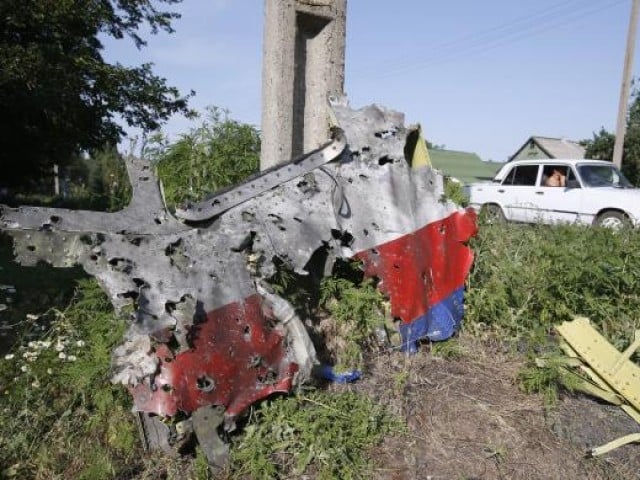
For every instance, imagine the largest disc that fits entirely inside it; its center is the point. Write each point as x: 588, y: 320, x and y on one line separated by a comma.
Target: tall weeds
x: 526, y: 279
x: 218, y: 153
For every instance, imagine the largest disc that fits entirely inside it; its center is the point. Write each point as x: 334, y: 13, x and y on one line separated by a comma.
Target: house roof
x: 465, y: 166
x: 555, y: 147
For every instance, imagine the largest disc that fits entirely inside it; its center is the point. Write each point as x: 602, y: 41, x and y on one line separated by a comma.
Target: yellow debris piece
x: 615, y: 368
x: 619, y: 442
x: 615, y: 377
x: 419, y: 154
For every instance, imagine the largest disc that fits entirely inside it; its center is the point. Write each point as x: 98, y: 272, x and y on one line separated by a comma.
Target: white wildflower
x: 31, y: 344
x: 32, y: 316
x: 59, y: 346
x: 35, y: 384
x: 30, y: 356
x: 72, y: 358
x: 9, y: 356
x: 62, y: 355
x: 80, y: 343
x: 50, y: 371
x: 24, y: 368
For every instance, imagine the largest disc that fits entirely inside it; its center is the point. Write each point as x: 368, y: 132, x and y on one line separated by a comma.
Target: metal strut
x: 254, y: 185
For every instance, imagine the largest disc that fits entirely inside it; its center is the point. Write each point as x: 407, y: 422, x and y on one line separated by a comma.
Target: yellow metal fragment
x: 420, y: 155
x: 615, y: 368
x: 632, y: 412
x: 583, y: 385
x: 613, y: 373
x: 595, y: 378
x: 618, y: 442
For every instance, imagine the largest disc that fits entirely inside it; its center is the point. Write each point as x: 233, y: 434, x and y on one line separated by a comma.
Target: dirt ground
x: 467, y: 419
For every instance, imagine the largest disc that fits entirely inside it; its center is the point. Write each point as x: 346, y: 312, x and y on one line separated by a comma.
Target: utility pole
x: 302, y: 65
x: 626, y: 83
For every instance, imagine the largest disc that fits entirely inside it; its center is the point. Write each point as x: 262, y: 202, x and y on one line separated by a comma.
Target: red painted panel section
x: 235, y: 361
x: 420, y: 269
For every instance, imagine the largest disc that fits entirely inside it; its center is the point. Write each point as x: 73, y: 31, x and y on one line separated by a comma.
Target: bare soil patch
x: 467, y: 419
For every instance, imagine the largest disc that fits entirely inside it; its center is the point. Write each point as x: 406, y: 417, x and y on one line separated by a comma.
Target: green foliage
x: 545, y: 380
x: 327, y: 433
x: 109, y: 187
x: 548, y: 378
x: 346, y: 310
x: 61, y: 416
x: 57, y: 93
x: 218, y: 153
x: 454, y: 192
x: 526, y: 279
x: 201, y: 468
x: 357, y: 309
x: 301, y: 291
x: 602, y: 143
x: 600, y: 147
x: 449, y: 350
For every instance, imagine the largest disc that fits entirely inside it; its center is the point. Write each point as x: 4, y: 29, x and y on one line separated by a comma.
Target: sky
x: 479, y: 76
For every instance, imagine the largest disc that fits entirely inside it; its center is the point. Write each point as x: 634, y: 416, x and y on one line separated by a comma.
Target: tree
x: 58, y: 96
x: 601, y: 145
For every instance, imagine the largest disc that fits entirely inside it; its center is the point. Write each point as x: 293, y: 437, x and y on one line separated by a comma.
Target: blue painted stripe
x: 439, y: 323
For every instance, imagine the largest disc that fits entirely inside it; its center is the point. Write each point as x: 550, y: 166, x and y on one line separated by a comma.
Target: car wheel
x: 492, y: 214
x: 612, y: 219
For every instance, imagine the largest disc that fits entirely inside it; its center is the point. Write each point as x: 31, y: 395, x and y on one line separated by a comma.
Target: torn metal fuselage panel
x: 204, y: 332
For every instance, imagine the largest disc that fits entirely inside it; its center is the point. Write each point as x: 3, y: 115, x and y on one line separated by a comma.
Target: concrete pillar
x: 303, y: 63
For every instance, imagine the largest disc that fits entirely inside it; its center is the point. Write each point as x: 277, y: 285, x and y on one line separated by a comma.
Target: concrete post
x: 303, y: 63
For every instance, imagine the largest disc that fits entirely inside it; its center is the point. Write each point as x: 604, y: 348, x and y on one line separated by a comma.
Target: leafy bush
x: 454, y: 192
x: 526, y: 279
x: 218, y: 153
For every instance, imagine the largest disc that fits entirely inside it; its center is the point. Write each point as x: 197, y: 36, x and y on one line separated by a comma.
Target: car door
x: 518, y: 193
x: 562, y: 203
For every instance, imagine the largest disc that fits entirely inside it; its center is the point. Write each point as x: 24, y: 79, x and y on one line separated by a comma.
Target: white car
x: 589, y: 192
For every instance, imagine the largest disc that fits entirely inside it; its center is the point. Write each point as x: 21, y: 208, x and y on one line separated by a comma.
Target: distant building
x: 465, y: 166
x: 545, y: 147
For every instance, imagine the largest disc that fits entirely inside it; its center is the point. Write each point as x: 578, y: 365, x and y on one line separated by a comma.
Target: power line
x: 489, y: 39
x: 482, y: 34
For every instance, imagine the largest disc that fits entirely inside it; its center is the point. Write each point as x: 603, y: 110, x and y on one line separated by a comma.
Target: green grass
x: 526, y: 279
x: 325, y: 433
x: 60, y: 415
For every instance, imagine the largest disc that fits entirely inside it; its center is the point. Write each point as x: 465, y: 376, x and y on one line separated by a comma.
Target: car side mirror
x: 573, y: 184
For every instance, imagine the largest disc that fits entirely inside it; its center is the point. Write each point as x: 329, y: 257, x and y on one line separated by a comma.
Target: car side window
x: 554, y: 175
x: 572, y: 179
x: 522, y: 175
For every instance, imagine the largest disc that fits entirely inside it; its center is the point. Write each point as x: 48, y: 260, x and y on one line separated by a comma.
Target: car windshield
x: 603, y: 176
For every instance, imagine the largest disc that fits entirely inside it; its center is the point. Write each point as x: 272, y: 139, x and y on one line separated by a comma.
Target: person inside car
x: 557, y: 178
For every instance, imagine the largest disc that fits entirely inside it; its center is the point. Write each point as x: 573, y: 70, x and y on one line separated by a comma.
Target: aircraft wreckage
x: 208, y: 338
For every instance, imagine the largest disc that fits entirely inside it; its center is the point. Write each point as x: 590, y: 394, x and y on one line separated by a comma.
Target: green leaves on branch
x: 601, y: 145
x: 218, y: 153
x: 57, y: 93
